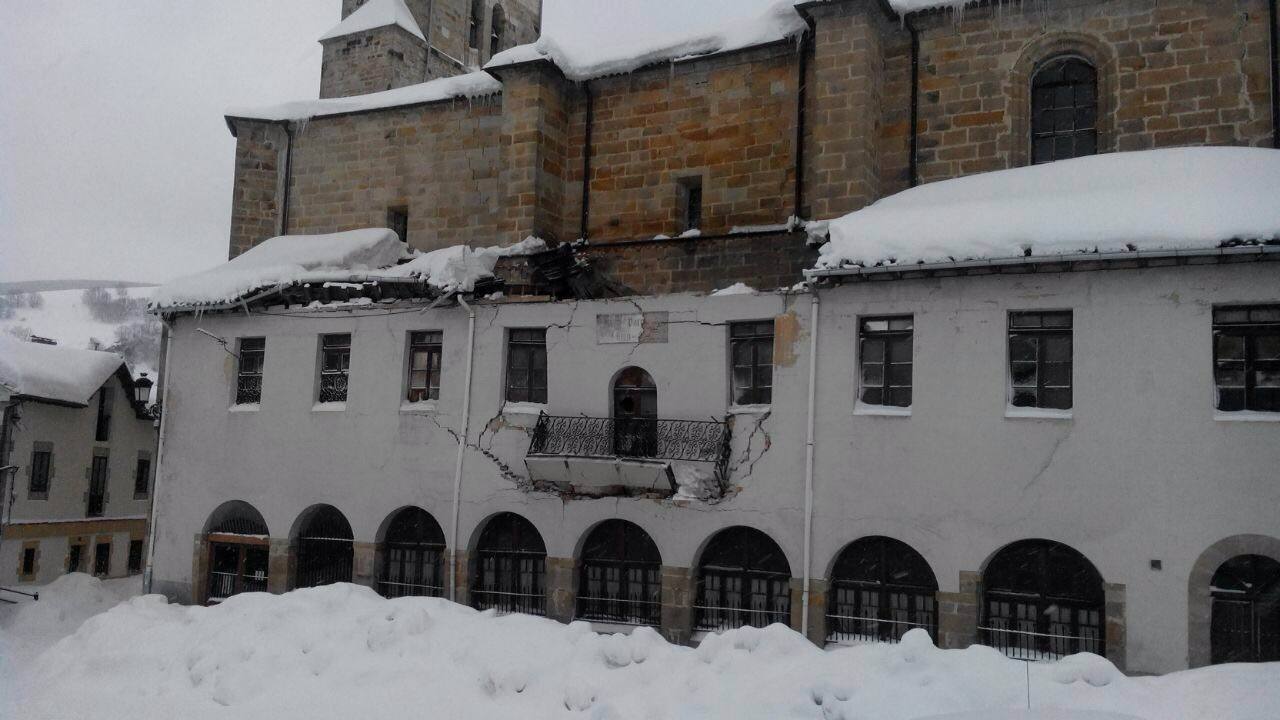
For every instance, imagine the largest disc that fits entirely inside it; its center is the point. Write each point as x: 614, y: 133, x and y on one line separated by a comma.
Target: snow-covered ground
x: 344, y: 652
x: 65, y: 316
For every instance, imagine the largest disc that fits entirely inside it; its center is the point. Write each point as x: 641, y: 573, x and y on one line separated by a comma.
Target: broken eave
x: 328, y: 291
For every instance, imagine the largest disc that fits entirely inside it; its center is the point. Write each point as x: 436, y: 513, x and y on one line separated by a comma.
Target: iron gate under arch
x: 325, y: 549
x: 743, y: 579
x: 620, y: 577
x: 412, y: 556
x: 510, y: 567
x: 880, y: 589
x: 1245, y: 620
x: 238, y: 552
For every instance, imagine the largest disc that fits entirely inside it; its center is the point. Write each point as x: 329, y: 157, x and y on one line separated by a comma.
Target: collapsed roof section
x: 1175, y: 201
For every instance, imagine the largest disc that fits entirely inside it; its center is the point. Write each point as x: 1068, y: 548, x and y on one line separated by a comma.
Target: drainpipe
x: 155, y: 490
x: 803, y: 71
x: 1274, y: 15
x: 288, y: 176
x: 808, y: 462
x: 586, y: 160
x: 913, y: 170
x: 462, y: 447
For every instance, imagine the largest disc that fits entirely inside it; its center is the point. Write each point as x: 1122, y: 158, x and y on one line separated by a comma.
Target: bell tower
x: 386, y: 44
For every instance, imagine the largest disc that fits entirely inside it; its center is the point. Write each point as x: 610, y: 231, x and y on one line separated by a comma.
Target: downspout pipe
x: 1274, y: 16
x: 462, y: 448
x: 913, y: 168
x: 808, y: 461
x: 586, y: 160
x: 154, y: 509
x: 801, y: 100
x: 288, y: 177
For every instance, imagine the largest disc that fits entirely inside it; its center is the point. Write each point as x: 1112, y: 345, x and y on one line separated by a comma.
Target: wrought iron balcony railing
x: 633, y: 438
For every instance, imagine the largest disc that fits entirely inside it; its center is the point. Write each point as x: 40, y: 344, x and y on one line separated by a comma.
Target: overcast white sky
x: 115, y: 162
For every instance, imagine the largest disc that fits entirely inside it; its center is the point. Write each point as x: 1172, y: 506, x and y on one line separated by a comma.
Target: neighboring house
x: 85, y: 457
x: 1031, y: 407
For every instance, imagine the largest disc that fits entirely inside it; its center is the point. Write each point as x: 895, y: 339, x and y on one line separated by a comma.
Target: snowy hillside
x: 96, y: 317
x: 342, y: 651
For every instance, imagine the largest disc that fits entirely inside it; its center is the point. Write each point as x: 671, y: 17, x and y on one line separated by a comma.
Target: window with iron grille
x: 142, y: 478
x: 252, y: 355
x: 1042, y: 600
x: 743, y: 579
x: 880, y: 589
x: 1064, y: 110
x: 28, y: 561
x: 620, y: 580
x: 1040, y: 359
x: 1246, y: 357
x: 41, y: 462
x: 135, y: 557
x: 74, y: 557
x: 510, y: 567
x: 884, y: 352
x: 335, y: 363
x: 102, y: 429
x: 425, y: 353
x: 691, y: 203
x: 751, y: 351
x: 398, y: 222
x: 102, y: 559
x: 527, y: 365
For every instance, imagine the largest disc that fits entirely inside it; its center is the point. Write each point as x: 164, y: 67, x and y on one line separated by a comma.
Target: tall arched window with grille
x: 1245, y: 620
x: 325, y: 548
x: 880, y: 589
x: 412, y: 555
x: 497, y: 28
x: 743, y: 579
x: 1064, y: 109
x: 510, y: 568
x: 620, y: 576
x: 1043, y: 600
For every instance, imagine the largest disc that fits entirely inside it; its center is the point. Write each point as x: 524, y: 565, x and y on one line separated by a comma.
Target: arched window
x: 325, y: 548
x: 1042, y: 599
x: 743, y: 579
x: 474, y: 23
x: 635, y: 414
x: 510, y: 568
x: 238, y: 551
x: 412, y: 555
x: 880, y: 589
x: 1064, y: 110
x: 1245, y: 624
x: 620, y: 578
x: 497, y: 27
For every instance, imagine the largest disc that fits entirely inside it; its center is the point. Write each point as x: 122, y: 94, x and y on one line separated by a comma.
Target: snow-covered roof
x: 357, y: 256
x: 470, y: 85
x: 593, y: 56
x: 54, y: 372
x: 376, y: 14
x: 1175, y: 199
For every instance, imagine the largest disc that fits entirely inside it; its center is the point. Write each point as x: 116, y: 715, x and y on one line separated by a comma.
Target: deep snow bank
x: 344, y: 652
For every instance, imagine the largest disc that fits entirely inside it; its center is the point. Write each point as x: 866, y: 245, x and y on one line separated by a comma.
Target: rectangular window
x: 1246, y: 357
x: 102, y: 430
x: 41, y: 462
x: 1040, y: 359
x: 527, y: 366
x: 102, y: 559
x: 335, y: 362
x: 884, y: 352
x: 74, y: 558
x: 691, y: 203
x: 398, y: 221
x: 142, y: 478
x: 97, y: 487
x: 252, y: 355
x: 751, y: 353
x: 135, y: 557
x: 28, y: 561
x: 424, y: 365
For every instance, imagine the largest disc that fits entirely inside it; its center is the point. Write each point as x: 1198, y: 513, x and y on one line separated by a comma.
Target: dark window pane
x: 873, y: 350
x: 873, y: 395
x: 1230, y: 347
x: 873, y: 374
x: 1267, y: 347
x: 900, y: 375
x: 1024, y: 398
x: 1024, y: 374
x: 900, y: 397
x: 1230, y: 375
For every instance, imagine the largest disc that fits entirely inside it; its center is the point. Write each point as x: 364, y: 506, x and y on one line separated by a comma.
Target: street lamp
x: 142, y: 389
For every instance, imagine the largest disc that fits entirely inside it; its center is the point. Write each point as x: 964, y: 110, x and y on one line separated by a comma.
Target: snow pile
x: 1178, y: 199
x: 53, y: 372
x: 735, y: 289
x: 593, y: 56
x: 376, y: 14
x: 343, y: 652
x: 457, y: 268
x: 471, y: 85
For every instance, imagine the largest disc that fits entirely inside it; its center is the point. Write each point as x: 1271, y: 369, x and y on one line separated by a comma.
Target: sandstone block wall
x: 255, y: 195
x: 372, y: 61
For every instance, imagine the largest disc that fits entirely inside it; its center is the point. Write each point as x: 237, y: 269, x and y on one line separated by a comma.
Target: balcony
x: 613, y: 456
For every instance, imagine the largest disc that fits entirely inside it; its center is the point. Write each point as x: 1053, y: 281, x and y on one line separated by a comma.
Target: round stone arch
x: 1046, y: 47
x: 1199, y: 599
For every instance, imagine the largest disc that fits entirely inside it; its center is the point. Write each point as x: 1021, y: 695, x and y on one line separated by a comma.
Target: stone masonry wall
x: 259, y: 171
x: 439, y: 161
x: 372, y: 61
x: 1171, y: 73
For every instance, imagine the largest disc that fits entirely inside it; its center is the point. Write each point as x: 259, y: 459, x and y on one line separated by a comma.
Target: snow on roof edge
x: 55, y: 373
x: 470, y: 85
x: 376, y: 14
x: 1178, y: 200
